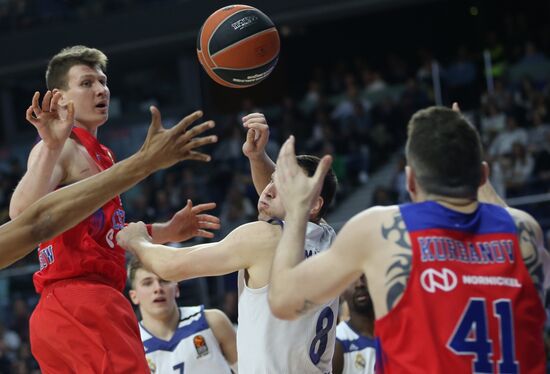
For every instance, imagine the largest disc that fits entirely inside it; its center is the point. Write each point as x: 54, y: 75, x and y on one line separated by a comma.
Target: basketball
x: 238, y: 46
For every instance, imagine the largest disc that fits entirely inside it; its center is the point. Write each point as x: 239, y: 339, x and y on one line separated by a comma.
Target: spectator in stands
x: 520, y: 171
x: 493, y: 121
x: 505, y: 140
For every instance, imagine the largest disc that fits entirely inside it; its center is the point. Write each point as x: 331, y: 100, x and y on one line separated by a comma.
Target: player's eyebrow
x: 93, y: 76
x: 145, y: 279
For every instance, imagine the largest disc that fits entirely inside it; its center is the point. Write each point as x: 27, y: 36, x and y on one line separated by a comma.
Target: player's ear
x: 133, y: 297
x: 62, y: 101
x: 411, y: 180
x: 177, y: 290
x: 317, y: 205
x: 484, y: 173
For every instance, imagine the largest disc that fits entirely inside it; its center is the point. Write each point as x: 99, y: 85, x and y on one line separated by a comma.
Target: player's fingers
x: 250, y: 136
x: 256, y: 126
x: 197, y: 156
x: 208, y: 218
x: 36, y: 107
x: 253, y: 116
x: 288, y: 152
x: 29, y: 116
x: 202, y: 207
x: 55, y: 101
x: 205, y: 234
x: 70, y: 112
x: 46, y: 101
x: 196, y: 130
x: 209, y: 225
x: 196, y: 142
x: 182, y: 125
x: 156, y: 120
x: 322, y: 168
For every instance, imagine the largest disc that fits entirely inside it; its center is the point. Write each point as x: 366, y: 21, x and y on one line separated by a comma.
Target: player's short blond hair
x: 133, y: 266
x: 61, y: 63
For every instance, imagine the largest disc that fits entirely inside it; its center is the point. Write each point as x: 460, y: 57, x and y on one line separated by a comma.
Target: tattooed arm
x: 535, y: 257
x: 398, y: 273
x: 295, y: 288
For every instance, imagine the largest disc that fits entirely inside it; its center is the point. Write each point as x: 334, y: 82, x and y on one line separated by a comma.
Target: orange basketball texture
x: 238, y: 46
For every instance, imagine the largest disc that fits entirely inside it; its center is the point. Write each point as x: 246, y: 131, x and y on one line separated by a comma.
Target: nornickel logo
x: 432, y: 279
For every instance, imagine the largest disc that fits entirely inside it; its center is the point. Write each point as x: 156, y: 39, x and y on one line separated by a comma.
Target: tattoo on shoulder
x: 308, y: 305
x: 531, y: 259
x: 398, y: 273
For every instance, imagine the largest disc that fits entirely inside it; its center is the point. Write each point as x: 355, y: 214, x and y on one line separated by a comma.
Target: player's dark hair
x: 445, y: 152
x: 309, y: 164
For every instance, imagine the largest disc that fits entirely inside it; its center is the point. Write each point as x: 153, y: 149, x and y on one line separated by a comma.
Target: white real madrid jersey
x: 192, y: 349
x: 268, y: 345
x: 359, y: 350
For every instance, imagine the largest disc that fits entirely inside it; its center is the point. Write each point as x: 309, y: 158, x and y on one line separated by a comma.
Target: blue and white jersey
x: 359, y: 350
x: 192, y: 349
x: 268, y: 345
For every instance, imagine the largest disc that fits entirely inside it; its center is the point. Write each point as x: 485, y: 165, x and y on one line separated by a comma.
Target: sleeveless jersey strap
x: 98, y: 152
x: 276, y: 221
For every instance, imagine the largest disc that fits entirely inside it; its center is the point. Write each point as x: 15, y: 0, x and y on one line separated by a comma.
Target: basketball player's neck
x: 463, y: 205
x: 162, y: 327
x: 361, y: 323
x: 91, y: 129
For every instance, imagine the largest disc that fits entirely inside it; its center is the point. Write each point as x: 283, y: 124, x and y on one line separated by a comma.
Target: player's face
x: 269, y: 204
x: 357, y: 296
x: 87, y: 88
x: 155, y: 296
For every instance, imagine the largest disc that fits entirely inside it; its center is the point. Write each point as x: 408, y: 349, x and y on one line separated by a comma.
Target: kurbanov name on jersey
x: 439, y: 248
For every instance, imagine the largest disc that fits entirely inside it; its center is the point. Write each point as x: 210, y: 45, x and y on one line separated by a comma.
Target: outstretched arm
x: 239, y: 250
x: 296, y: 286
x: 257, y: 137
x: 66, y: 207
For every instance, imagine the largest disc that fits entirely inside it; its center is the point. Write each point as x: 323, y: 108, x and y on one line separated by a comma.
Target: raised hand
x: 53, y: 122
x: 164, y: 147
x: 188, y: 223
x: 257, y: 135
x: 296, y: 189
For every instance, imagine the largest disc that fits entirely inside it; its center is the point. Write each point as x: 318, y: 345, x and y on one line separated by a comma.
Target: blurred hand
x: 53, y: 122
x: 257, y: 135
x: 188, y: 223
x: 298, y: 191
x: 164, y: 147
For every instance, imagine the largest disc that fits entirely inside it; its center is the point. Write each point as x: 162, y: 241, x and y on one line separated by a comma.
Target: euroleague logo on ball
x: 244, y: 22
x: 238, y: 46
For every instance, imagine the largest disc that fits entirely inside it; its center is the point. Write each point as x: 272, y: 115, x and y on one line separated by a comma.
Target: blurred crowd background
x: 347, y: 82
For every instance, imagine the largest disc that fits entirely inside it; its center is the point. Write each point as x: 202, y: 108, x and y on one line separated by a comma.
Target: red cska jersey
x: 89, y: 249
x: 470, y: 305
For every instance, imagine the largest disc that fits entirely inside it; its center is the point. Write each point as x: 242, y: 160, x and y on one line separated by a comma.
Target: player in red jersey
x: 83, y: 322
x: 457, y: 285
x: 62, y: 209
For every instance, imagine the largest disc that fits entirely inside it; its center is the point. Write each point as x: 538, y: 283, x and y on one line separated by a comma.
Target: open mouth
x: 101, y: 105
x: 361, y: 296
x: 159, y: 300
